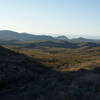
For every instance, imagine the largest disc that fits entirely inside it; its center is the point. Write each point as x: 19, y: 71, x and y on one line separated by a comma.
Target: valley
x: 49, y: 69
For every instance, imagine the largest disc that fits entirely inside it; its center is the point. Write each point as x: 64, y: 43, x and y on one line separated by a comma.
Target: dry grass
x: 62, y: 59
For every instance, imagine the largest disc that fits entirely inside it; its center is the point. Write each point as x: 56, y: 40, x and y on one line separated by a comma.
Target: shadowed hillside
x: 51, y: 43
x: 25, y: 78
x: 89, y: 45
x: 59, y: 44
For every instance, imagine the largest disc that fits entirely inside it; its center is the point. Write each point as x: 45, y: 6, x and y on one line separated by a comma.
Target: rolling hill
x: 51, y: 44
x: 11, y: 35
x: 23, y: 77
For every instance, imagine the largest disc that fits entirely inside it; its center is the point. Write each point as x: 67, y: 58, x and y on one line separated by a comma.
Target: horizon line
x: 56, y: 34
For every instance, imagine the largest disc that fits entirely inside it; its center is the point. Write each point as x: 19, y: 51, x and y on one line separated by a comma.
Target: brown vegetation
x: 49, y: 74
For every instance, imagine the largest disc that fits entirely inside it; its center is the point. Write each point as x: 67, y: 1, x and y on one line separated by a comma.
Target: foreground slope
x: 23, y: 78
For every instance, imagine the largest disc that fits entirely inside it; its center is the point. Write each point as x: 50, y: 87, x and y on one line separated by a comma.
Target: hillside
x: 63, y: 38
x: 11, y: 35
x: 52, y: 44
x: 24, y: 76
x: 58, y: 44
x: 16, y: 72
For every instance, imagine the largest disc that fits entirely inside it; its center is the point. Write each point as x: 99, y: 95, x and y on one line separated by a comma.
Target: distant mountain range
x: 11, y: 35
x: 26, y: 40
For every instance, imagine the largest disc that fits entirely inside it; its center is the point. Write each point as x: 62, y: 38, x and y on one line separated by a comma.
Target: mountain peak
x: 62, y: 37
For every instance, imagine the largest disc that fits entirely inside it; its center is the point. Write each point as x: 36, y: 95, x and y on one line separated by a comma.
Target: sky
x: 52, y: 17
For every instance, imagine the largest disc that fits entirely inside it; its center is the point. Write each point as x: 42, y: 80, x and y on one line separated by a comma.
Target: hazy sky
x: 72, y: 17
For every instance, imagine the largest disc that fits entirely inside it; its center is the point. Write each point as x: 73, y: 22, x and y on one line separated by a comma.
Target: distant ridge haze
x: 12, y: 35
